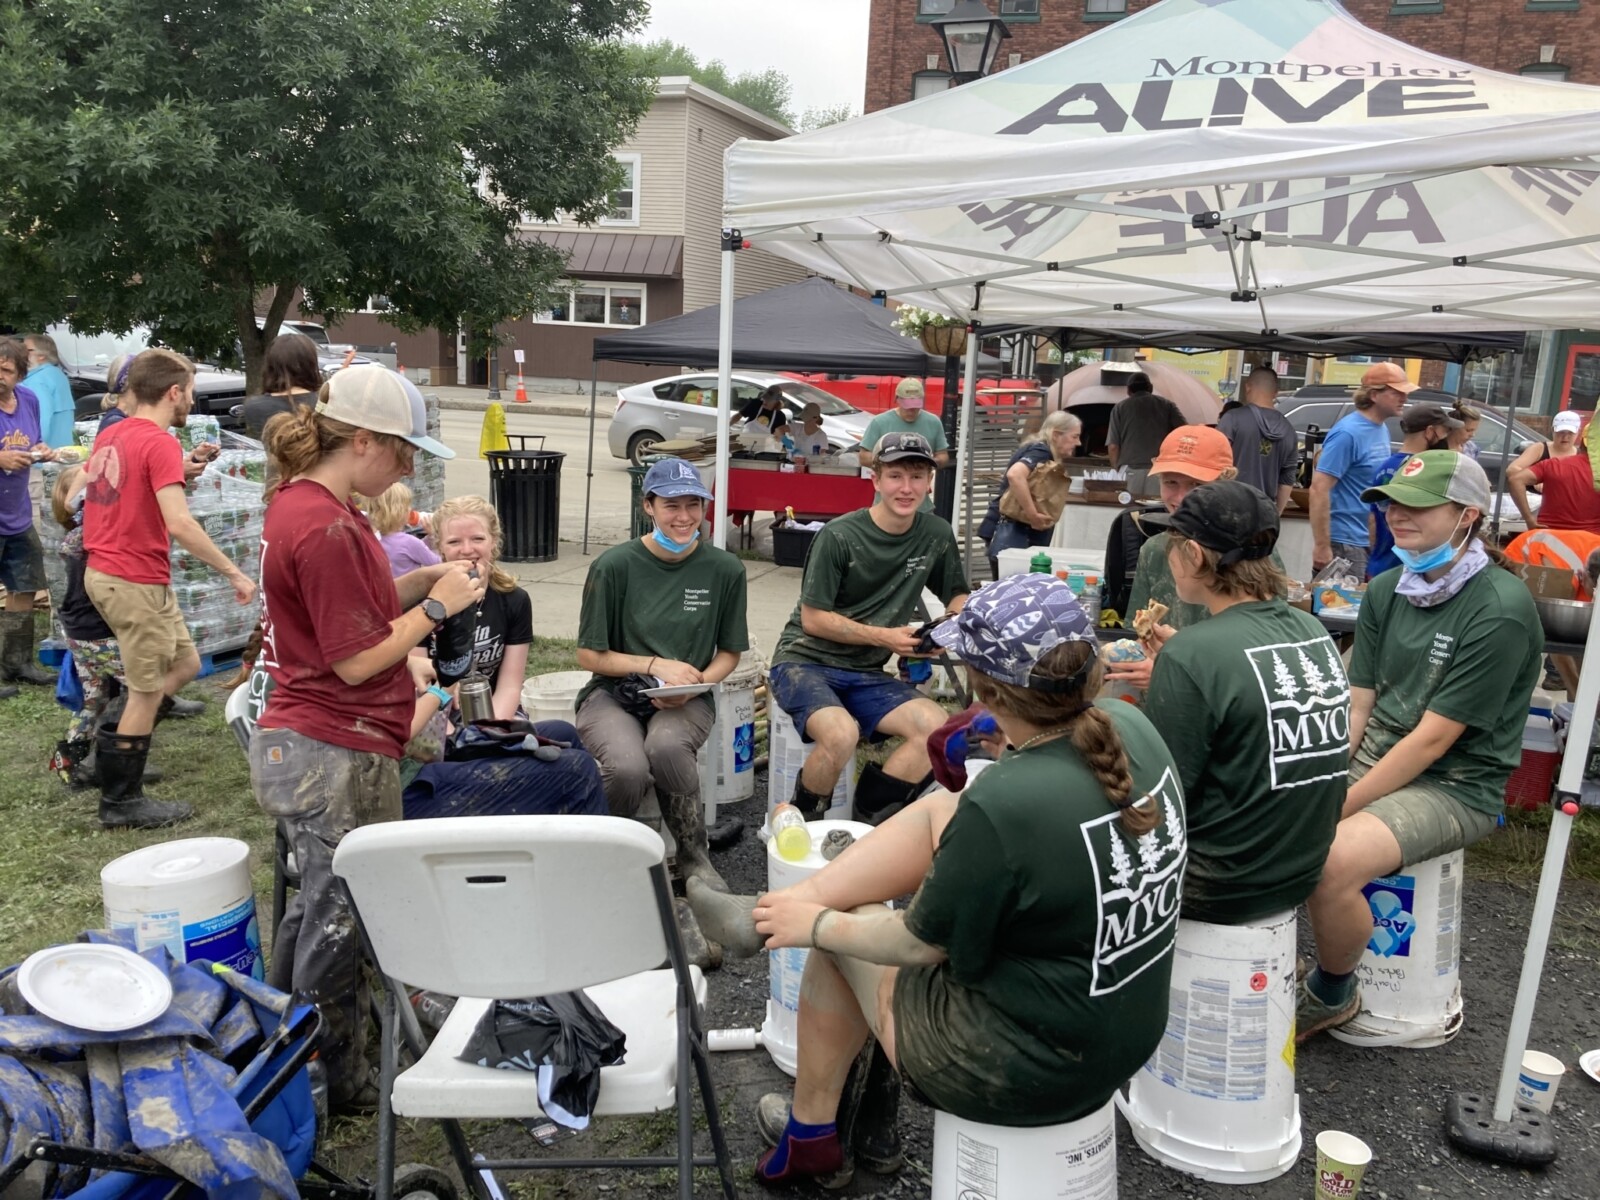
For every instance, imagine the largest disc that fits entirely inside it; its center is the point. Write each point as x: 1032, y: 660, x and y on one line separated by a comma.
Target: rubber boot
x: 684, y: 815
x: 869, y: 1112
x: 811, y: 804
x: 19, y: 661
x: 74, y: 762
x: 697, y: 948
x: 119, y: 766
x: 880, y: 796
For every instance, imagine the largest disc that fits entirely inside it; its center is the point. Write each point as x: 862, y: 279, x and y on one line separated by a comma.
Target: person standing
x: 671, y: 609
x: 860, y: 604
x: 1056, y: 440
x: 1563, y: 443
x: 134, y: 509
x: 1465, y: 439
x: 1266, y: 452
x: 337, y: 633
x: 1138, y: 427
x: 47, y: 381
x: 1423, y: 427
x: 1447, y: 651
x: 1355, y: 447
x: 1566, y: 485
x: 21, y: 557
x: 909, y: 415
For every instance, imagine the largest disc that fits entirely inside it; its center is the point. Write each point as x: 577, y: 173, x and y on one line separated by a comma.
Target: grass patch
x: 1515, y: 853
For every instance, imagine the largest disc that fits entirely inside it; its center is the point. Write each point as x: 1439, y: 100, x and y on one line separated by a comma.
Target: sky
x: 821, y: 45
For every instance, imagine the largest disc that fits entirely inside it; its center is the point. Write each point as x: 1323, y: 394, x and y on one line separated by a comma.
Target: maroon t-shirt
x: 1569, y: 499
x: 327, y: 595
x: 124, y: 533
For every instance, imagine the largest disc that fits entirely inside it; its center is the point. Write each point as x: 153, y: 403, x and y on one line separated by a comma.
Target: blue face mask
x: 1420, y: 562
x: 670, y: 546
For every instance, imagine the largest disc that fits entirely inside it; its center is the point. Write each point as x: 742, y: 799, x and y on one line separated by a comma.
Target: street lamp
x: 971, y: 35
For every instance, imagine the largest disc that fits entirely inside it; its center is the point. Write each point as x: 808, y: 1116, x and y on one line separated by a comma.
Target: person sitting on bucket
x: 1028, y: 978
x: 1254, y: 706
x: 1447, y: 651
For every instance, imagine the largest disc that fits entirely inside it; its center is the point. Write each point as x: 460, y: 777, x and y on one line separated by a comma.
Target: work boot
x: 683, y: 814
x: 119, y: 767
x: 74, y: 763
x: 700, y: 950
x: 19, y: 661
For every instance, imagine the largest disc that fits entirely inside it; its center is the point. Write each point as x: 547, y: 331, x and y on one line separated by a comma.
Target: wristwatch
x: 433, y: 610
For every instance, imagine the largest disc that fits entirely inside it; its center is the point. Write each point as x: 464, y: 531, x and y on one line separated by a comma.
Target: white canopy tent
x: 1248, y: 165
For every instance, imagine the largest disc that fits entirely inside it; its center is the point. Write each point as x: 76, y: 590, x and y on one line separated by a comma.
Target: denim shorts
x: 868, y: 696
x: 22, y: 561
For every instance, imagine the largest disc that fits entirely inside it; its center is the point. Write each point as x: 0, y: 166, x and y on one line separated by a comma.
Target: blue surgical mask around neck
x: 1422, y: 561
x: 670, y: 546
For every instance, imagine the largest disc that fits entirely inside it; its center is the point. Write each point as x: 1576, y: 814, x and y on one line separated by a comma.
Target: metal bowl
x: 1564, y: 620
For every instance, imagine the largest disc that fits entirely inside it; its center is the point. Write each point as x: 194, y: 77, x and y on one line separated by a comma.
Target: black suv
x: 85, y: 356
x: 1318, y: 406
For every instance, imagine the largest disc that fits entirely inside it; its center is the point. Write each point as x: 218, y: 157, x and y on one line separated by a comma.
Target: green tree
x: 178, y: 163
x: 768, y: 92
x: 817, y: 118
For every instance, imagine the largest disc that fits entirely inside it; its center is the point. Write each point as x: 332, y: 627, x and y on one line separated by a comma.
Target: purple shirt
x: 406, y: 552
x: 18, y: 431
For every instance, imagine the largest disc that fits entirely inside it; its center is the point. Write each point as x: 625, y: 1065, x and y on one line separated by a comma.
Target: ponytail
x: 299, y: 440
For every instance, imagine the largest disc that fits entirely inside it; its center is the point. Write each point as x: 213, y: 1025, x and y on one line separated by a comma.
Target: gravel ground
x: 1392, y: 1099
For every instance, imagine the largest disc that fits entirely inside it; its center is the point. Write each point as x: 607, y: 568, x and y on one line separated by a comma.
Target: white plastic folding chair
x: 506, y: 908
x: 238, y: 715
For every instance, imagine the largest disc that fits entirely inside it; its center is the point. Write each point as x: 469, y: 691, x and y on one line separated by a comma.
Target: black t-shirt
x: 79, y: 617
x: 258, y: 410
x: 504, y: 619
x: 775, y: 420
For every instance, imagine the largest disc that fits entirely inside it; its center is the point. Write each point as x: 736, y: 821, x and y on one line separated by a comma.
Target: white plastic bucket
x: 1217, y: 1099
x: 786, y: 754
x: 999, y: 1162
x: 728, y: 758
x: 1410, y: 977
x: 553, y: 697
x: 780, y: 1031
x: 193, y: 896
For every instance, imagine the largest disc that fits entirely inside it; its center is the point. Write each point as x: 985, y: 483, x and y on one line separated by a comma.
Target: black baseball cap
x: 1229, y: 517
x: 898, y: 447
x: 1418, y: 417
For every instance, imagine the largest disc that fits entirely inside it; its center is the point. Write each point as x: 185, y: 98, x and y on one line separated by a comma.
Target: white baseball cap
x: 384, y: 401
x: 1567, y: 421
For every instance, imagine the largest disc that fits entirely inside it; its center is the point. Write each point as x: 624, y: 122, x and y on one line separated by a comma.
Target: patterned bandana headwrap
x: 1009, y: 625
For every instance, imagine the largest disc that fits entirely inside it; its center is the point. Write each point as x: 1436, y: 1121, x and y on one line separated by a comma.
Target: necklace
x: 1040, y: 737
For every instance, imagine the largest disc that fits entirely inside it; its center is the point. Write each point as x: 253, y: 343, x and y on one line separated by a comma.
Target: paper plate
x: 1589, y: 1064
x: 681, y: 689
x: 100, y: 988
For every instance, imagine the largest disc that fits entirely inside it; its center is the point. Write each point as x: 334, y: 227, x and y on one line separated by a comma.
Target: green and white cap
x: 384, y: 401
x: 1432, y: 478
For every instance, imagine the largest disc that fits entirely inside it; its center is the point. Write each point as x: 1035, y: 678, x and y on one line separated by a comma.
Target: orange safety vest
x: 1569, y: 548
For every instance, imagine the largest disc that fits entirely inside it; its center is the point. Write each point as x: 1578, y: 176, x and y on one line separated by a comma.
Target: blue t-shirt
x: 1383, y: 556
x: 18, y: 431
x: 49, y: 383
x: 1355, y: 447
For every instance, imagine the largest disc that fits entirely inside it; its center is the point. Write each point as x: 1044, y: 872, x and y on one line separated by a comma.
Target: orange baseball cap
x: 1388, y: 374
x: 1198, y: 451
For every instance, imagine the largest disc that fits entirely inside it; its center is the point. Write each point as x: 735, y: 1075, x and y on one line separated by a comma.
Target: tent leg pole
x: 963, y: 475
x: 730, y: 243
x: 1505, y: 442
x: 588, y: 483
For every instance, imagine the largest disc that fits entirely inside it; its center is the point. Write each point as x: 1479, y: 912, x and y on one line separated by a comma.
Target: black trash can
x: 525, y: 486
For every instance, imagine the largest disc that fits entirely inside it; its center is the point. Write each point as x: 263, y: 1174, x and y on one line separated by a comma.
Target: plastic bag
x: 565, y: 1038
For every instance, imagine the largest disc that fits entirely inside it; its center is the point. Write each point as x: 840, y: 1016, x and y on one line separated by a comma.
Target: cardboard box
x: 1548, y: 583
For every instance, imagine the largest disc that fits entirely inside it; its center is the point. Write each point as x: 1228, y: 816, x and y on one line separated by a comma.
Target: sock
x: 1333, y: 990
x: 778, y: 1162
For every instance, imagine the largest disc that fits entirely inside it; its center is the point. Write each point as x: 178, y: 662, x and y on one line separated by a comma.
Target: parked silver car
x: 685, y: 406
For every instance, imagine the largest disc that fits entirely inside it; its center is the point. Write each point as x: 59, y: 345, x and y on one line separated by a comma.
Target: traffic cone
x: 522, y: 392
x: 492, y: 437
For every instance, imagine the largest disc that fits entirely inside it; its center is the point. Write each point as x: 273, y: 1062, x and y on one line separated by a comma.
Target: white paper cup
x: 1537, y: 1081
x: 1341, y: 1162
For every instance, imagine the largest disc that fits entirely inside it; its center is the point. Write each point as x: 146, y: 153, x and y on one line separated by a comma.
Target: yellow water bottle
x: 789, y: 833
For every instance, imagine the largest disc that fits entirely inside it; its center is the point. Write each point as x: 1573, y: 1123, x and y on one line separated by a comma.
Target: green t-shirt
x: 1058, y: 931
x: 1152, y: 580
x: 873, y: 577
x: 1254, y: 706
x: 1473, y: 659
x: 928, y: 425
x: 636, y: 603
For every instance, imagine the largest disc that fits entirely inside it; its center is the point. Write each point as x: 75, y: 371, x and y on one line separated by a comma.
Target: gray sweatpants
x: 633, y: 757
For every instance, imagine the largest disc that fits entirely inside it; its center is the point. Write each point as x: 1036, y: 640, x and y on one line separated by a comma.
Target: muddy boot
x: 684, y: 815
x: 869, y: 1112
x: 19, y: 661
x: 880, y: 796
x: 119, y: 767
x: 85, y: 776
x: 177, y: 706
x: 725, y: 918
x: 697, y: 948
x: 9, y: 693
x: 811, y: 804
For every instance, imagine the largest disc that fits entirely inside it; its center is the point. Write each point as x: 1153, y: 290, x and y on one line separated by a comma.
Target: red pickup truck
x: 875, y: 393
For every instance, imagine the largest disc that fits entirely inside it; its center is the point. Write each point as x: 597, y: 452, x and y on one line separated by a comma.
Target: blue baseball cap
x: 674, y: 477
x: 1007, y: 626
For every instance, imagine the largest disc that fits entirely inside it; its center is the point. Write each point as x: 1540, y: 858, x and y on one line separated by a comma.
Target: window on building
x: 1019, y: 8
x: 623, y: 208
x: 1401, y: 6
x: 597, y: 304
x: 934, y: 8
x: 926, y: 83
x: 1552, y: 71
x: 1105, y: 8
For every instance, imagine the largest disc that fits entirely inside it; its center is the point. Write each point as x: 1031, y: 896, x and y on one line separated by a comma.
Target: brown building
x: 1556, y: 38
x: 656, y: 254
